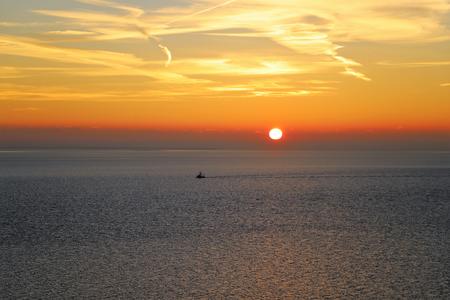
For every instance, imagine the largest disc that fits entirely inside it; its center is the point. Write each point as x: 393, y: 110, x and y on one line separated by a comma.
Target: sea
x: 135, y: 224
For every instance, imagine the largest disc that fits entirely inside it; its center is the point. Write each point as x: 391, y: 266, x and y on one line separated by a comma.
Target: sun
x: 275, y: 133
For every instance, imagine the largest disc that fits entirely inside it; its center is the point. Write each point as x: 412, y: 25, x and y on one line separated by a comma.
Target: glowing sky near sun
x: 313, y: 65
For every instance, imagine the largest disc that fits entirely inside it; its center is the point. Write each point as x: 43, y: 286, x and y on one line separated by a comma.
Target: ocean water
x: 263, y: 225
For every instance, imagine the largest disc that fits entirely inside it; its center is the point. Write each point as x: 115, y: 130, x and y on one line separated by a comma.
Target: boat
x: 200, y: 175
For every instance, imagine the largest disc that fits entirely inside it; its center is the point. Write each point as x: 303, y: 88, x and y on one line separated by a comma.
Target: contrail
x: 134, y: 13
x: 163, y: 48
x: 167, y: 52
x: 203, y: 11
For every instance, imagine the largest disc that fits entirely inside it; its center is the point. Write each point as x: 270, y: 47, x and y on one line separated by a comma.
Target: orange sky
x: 324, y: 67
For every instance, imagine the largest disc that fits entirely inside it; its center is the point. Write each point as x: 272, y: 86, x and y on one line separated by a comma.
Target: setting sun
x: 275, y: 133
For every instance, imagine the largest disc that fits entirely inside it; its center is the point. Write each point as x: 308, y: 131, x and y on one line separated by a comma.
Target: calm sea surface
x: 263, y: 225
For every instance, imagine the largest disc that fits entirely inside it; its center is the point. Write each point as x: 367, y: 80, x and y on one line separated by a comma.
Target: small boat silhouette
x: 200, y: 175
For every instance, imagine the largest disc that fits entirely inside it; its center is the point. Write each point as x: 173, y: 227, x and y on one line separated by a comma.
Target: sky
x: 213, y: 73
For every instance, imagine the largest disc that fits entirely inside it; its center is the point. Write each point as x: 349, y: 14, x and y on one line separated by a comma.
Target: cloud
x: 32, y: 48
x: 70, y: 32
x: 404, y: 11
x: 351, y: 72
x: 132, y: 11
x: 9, y: 72
x: 167, y: 52
x: 9, y: 24
x: 417, y: 64
x: 285, y: 33
x: 316, y: 20
x: 222, y: 47
x: 54, y: 93
x: 110, y: 63
x: 203, y: 11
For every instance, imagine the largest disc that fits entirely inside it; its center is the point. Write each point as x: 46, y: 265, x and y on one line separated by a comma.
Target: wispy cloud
x: 9, y: 72
x: 203, y: 11
x: 32, y: 48
x: 281, y: 30
x: 131, y: 10
x: 70, y: 32
x: 167, y: 52
x: 351, y: 72
x: 206, y: 43
x: 110, y: 63
x: 418, y: 64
